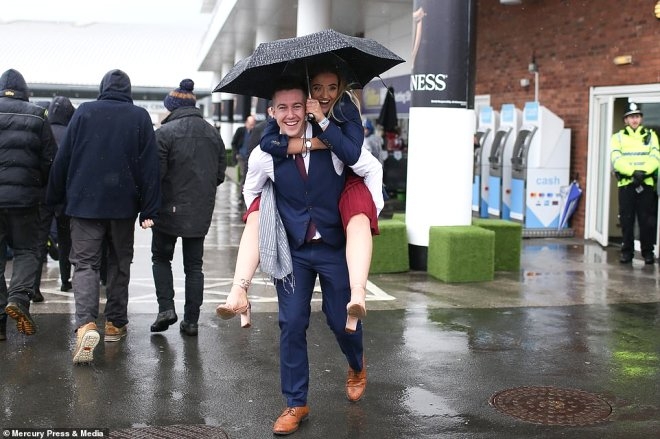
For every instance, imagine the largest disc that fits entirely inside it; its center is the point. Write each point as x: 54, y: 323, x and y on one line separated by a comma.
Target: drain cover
x: 171, y: 432
x: 551, y: 405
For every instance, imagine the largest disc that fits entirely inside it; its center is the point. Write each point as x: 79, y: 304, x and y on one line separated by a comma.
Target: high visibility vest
x: 632, y: 151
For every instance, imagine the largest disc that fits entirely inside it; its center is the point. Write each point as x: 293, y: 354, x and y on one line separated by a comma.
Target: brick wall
x: 574, y: 42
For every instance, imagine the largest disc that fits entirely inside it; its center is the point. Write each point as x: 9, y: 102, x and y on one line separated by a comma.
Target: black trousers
x: 162, y: 251
x: 643, y: 207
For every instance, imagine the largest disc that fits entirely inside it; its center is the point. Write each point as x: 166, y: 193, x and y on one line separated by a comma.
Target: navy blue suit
x: 298, y: 201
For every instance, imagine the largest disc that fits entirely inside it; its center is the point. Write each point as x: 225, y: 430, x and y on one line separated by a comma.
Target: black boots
x: 190, y: 329
x: 164, y: 320
x: 37, y: 296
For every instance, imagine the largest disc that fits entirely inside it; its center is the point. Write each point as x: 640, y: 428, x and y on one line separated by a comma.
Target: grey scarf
x: 274, y: 252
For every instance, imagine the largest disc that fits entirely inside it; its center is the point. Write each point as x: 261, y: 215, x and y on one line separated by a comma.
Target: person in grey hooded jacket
x: 106, y: 173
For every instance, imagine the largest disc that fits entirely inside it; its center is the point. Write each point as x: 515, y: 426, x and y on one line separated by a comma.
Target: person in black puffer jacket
x: 27, y: 148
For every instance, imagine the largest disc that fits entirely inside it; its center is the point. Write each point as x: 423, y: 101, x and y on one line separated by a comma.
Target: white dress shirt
x: 260, y: 168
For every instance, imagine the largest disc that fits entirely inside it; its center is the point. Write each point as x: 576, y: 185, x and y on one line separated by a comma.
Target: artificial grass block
x: 508, y: 242
x: 399, y: 216
x: 461, y: 253
x: 390, y: 248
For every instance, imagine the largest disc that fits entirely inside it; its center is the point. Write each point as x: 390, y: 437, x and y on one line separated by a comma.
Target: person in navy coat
x: 106, y: 172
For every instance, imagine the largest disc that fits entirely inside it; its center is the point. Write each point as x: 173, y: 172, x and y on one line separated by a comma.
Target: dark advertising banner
x: 217, y: 111
x: 261, y: 109
x: 374, y: 93
x: 227, y: 110
x: 443, y: 53
x: 242, y: 108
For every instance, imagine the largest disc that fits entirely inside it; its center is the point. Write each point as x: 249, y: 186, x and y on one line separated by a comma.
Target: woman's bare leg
x: 247, y: 261
x: 358, y: 258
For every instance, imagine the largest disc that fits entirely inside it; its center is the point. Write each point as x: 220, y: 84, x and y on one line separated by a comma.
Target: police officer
x: 635, y: 158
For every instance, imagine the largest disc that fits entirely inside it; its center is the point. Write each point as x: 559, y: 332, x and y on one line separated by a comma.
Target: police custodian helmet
x: 632, y: 108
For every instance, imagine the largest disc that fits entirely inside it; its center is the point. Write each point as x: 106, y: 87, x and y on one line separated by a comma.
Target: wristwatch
x: 308, y: 144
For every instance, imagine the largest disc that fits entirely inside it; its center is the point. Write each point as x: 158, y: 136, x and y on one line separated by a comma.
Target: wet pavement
x: 572, y: 318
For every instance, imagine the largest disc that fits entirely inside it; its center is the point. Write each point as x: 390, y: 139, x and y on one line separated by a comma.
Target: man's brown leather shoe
x: 356, y: 383
x: 290, y: 420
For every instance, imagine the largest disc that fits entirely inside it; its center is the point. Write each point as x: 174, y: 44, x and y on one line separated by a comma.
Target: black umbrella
x: 359, y: 60
x: 388, y: 118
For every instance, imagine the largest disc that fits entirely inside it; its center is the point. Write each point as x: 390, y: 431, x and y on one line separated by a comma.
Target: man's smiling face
x: 289, y: 111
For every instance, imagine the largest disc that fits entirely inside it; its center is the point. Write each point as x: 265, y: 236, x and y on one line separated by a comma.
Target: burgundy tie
x: 300, y: 164
x: 311, y: 228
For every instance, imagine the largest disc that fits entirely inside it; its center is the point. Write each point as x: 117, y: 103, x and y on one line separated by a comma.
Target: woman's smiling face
x: 325, y: 89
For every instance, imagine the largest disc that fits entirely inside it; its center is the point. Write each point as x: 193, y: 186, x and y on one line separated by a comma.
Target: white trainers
x: 87, y: 338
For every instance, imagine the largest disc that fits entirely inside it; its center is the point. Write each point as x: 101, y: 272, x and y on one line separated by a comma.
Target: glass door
x: 599, y: 171
x: 651, y: 108
x: 602, y: 205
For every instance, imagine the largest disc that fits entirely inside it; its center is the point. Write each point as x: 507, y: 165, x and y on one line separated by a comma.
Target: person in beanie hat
x: 27, y: 148
x: 182, y: 96
x: 635, y: 158
x: 192, y: 164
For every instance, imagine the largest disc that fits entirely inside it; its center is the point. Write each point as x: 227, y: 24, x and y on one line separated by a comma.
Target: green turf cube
x: 508, y: 242
x: 461, y: 253
x: 390, y: 248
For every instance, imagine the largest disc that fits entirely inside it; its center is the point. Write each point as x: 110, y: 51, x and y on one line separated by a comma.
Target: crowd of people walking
x: 99, y: 168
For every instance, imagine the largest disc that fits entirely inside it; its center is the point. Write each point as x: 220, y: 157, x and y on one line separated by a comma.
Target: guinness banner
x: 443, y: 53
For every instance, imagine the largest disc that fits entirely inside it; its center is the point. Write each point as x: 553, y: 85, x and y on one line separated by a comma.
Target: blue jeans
x: 18, y: 228
x: 162, y: 252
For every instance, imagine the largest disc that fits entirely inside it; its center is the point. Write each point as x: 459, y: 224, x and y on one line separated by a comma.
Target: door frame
x: 598, y: 148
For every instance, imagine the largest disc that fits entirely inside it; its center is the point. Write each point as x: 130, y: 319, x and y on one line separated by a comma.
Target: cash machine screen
x: 521, y: 146
x: 497, y: 149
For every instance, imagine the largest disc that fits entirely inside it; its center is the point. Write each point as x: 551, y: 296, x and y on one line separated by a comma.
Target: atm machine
x: 539, y: 168
x: 488, y: 124
x: 499, y: 175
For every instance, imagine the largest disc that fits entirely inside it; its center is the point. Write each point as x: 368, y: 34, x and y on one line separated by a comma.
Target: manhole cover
x: 551, y: 405
x: 171, y: 432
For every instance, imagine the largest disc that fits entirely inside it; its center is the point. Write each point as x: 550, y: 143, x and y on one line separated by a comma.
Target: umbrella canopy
x: 570, y: 197
x: 358, y: 60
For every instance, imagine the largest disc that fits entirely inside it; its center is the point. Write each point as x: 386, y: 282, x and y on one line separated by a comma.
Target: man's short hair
x: 289, y: 83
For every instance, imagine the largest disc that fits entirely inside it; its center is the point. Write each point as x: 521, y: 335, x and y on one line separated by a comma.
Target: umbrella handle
x: 310, y: 116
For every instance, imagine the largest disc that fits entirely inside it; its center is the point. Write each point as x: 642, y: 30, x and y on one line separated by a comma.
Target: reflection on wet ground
x: 573, y: 317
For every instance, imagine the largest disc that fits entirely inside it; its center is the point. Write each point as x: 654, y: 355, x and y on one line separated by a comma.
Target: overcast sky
x: 179, y: 12
x: 156, y: 42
